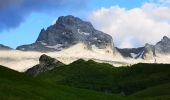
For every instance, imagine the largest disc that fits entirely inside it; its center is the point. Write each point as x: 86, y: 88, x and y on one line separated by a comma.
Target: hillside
x: 106, y: 78
x: 161, y: 92
x: 78, y: 81
x: 18, y: 86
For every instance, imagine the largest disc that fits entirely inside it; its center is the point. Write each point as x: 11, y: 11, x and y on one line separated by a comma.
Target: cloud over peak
x: 134, y: 27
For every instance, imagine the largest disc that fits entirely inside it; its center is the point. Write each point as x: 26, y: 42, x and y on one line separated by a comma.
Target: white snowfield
x: 22, y: 60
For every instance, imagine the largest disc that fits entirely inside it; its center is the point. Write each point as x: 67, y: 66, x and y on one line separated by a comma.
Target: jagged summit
x: 71, y: 20
x: 66, y: 32
x: 165, y: 38
x: 164, y: 41
x: 163, y: 46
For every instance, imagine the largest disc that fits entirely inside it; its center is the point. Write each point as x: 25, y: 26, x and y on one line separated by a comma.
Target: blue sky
x: 95, y: 4
x: 21, y: 22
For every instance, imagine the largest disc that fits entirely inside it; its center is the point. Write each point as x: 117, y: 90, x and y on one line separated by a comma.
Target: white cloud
x: 134, y: 27
x: 164, y: 1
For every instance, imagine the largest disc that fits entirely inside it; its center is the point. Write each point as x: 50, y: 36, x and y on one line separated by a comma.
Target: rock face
x: 3, y: 47
x: 130, y: 52
x: 163, y: 47
x: 46, y: 63
x: 148, y: 52
x: 66, y: 32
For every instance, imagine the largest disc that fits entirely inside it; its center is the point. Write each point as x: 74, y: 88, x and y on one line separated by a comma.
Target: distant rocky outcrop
x: 46, y: 63
x: 163, y: 46
x: 148, y: 51
x: 130, y: 52
x: 66, y: 32
x: 3, y: 47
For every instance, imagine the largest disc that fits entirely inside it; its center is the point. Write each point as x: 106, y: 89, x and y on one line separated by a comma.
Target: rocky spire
x: 46, y: 63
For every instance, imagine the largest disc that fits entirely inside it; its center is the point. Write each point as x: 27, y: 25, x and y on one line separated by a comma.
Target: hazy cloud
x: 134, y: 27
x: 13, y: 12
x: 165, y: 1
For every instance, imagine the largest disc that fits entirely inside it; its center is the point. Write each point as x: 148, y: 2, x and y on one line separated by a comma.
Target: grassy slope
x: 104, y: 77
x: 160, y: 92
x: 17, y: 86
x: 137, y: 80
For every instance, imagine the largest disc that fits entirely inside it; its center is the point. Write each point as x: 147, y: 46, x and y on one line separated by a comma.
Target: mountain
x: 69, y: 31
x: 3, y: 47
x: 45, y: 63
x: 148, y: 51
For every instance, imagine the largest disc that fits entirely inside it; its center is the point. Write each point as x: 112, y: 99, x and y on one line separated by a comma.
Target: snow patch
x: 141, y: 54
x: 83, y: 33
x: 94, y: 47
x: 58, y: 46
x: 22, y: 48
x: 99, y: 40
x: 64, y: 33
x: 41, y: 42
x: 133, y: 55
x: 95, y: 38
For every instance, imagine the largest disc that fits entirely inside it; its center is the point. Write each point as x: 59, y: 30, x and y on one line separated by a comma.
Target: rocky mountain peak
x: 71, y: 20
x: 45, y: 60
x: 165, y: 40
x: 147, y: 44
x: 163, y: 46
x: 67, y: 19
x: 165, y: 37
x: 42, y: 30
x: 66, y: 32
